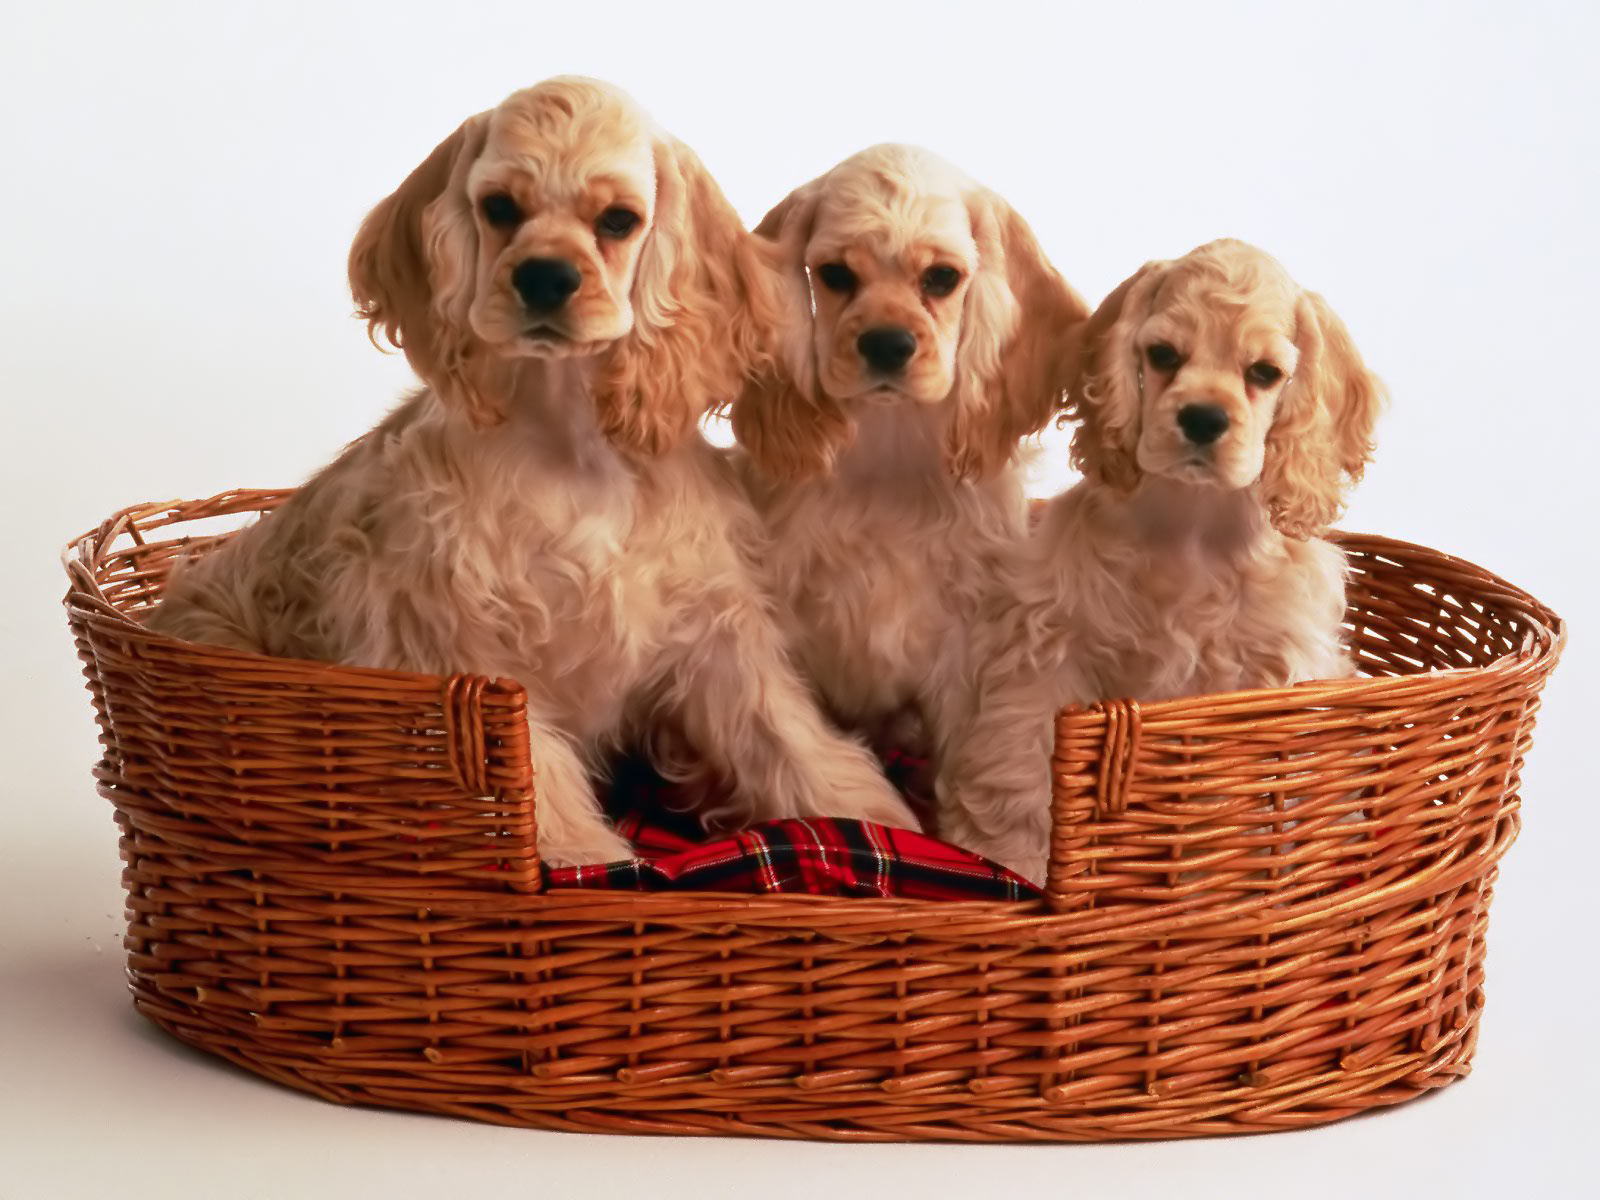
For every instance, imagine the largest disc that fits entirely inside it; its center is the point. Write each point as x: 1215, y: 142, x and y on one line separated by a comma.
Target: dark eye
x: 1263, y: 374
x: 617, y: 222
x: 500, y: 210
x: 940, y: 281
x: 837, y: 277
x: 1163, y: 357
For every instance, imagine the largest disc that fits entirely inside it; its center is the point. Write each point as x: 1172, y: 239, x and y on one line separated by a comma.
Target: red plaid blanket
x: 826, y: 857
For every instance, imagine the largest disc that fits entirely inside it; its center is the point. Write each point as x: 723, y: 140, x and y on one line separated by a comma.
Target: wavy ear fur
x: 1103, y: 389
x: 783, y: 419
x: 1321, y: 437
x: 412, y: 273
x: 704, y: 301
x: 1012, y: 368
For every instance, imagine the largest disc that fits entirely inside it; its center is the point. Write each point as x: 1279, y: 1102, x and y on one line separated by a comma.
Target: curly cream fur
x: 1171, y: 569
x: 543, y: 510
x: 891, y: 501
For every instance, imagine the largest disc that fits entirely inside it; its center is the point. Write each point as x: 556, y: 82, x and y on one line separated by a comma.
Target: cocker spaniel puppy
x: 1224, y: 411
x: 923, y: 340
x: 576, y: 292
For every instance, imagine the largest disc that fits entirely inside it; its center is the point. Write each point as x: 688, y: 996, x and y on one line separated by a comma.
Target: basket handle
x: 1091, y: 767
x: 463, y: 727
x: 487, y: 745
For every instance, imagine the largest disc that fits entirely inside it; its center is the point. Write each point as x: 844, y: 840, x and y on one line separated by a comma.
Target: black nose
x: 1202, y: 424
x: 545, y: 283
x: 887, y: 349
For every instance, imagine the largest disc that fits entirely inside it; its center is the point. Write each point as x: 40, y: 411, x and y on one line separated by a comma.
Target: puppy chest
x: 873, y: 619
x: 555, y: 595
x: 1234, y: 633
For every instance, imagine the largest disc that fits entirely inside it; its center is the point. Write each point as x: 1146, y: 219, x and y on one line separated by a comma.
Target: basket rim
x: 1542, y: 645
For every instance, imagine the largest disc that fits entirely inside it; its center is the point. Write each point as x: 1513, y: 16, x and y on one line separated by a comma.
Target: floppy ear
x: 1321, y: 436
x: 412, y: 273
x: 1011, y: 365
x: 783, y: 419
x: 1103, y: 386
x: 704, y: 301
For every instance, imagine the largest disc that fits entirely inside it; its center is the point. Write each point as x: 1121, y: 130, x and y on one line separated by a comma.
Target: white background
x: 178, y: 188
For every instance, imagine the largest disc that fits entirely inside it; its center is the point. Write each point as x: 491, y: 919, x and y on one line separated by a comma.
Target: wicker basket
x: 1264, y: 910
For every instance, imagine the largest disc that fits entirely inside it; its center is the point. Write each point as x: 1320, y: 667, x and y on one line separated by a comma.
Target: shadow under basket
x: 1264, y: 910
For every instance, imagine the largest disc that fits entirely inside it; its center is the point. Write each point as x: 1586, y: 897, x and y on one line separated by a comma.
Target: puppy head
x: 1217, y: 369
x: 906, y: 283
x: 565, y: 224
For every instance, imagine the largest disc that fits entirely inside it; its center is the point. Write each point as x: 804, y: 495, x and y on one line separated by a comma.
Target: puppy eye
x: 500, y: 210
x: 617, y: 222
x: 837, y: 277
x: 940, y: 281
x: 1163, y: 357
x: 1263, y: 374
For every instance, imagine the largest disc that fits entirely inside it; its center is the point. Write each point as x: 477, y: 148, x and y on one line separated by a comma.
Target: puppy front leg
x: 573, y: 831
x: 993, y: 788
x: 738, y: 699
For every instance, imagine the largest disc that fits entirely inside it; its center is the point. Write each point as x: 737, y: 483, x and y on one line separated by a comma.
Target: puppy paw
x: 879, y: 805
x: 1029, y: 865
x: 596, y: 847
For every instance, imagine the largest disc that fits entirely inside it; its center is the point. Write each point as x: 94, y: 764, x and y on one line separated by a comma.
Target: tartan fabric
x: 822, y: 857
